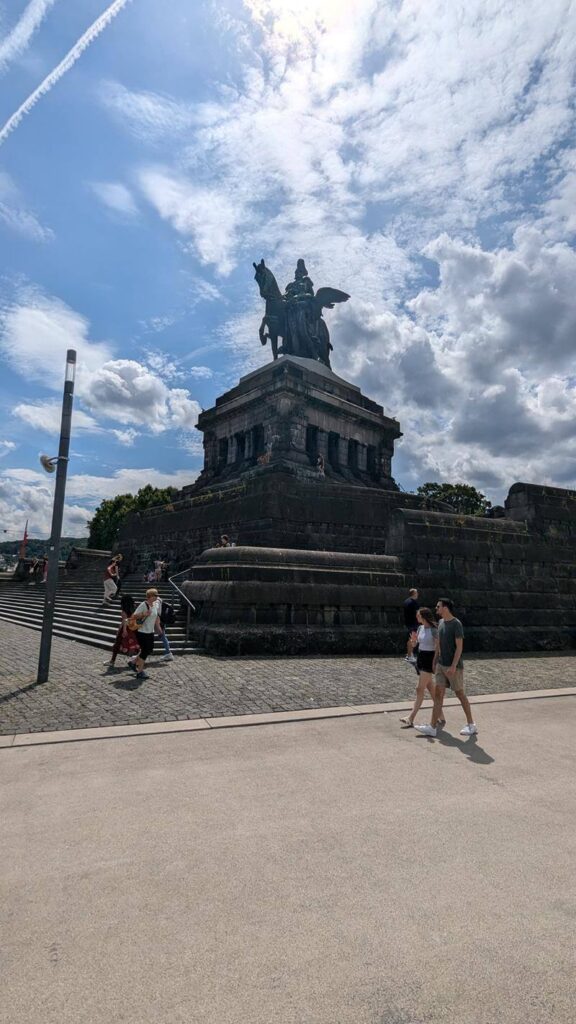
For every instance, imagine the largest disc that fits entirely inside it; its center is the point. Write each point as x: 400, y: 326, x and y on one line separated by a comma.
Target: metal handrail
x: 189, y: 606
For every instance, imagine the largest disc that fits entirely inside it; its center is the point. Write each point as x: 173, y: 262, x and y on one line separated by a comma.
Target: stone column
x: 343, y: 452
x: 362, y: 453
x: 210, y: 451
x: 231, y: 449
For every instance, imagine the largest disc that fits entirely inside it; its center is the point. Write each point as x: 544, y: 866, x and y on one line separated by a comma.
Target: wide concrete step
x: 96, y: 639
x: 79, y: 614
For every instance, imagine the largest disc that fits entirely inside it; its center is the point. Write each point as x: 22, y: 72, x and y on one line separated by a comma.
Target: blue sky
x: 419, y: 156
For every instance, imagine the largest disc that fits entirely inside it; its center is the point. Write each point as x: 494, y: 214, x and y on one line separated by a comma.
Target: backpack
x: 167, y: 614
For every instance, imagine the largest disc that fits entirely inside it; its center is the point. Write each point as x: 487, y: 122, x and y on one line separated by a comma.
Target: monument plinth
x: 296, y: 414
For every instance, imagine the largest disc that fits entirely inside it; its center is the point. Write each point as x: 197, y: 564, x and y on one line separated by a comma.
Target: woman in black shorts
x: 426, y: 638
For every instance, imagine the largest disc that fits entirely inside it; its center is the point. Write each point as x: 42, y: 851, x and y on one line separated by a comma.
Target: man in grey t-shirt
x: 449, y: 668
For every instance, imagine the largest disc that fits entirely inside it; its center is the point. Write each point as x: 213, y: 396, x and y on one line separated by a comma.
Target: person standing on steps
x: 167, y: 618
x: 147, y: 615
x: 411, y: 622
x: 449, y: 668
x: 111, y: 579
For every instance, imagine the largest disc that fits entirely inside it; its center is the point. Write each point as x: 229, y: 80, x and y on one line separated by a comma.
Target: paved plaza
x: 333, y: 872
x: 81, y: 693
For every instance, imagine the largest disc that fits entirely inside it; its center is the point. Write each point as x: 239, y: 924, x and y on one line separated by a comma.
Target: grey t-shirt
x: 449, y: 630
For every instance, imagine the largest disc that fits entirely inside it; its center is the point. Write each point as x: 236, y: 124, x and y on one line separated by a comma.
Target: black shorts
x: 425, y: 660
x: 146, y: 644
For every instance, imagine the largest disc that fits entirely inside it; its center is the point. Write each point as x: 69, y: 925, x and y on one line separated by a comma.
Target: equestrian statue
x: 296, y: 316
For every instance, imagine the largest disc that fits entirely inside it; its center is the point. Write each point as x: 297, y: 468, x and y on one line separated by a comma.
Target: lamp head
x: 47, y: 463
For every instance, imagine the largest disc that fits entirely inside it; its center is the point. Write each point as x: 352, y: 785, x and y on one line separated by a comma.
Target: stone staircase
x: 79, y: 614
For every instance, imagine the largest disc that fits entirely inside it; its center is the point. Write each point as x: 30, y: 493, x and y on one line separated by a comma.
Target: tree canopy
x: 463, y: 498
x: 111, y: 513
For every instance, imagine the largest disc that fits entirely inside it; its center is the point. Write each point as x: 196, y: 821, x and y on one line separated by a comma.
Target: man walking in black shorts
x: 449, y: 668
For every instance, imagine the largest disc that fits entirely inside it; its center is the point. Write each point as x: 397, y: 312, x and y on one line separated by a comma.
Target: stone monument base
x: 259, y: 600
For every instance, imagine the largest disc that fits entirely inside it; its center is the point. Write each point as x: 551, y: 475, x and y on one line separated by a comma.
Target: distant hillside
x: 37, y: 548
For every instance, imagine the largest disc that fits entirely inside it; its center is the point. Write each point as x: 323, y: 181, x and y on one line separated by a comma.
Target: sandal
x: 407, y: 723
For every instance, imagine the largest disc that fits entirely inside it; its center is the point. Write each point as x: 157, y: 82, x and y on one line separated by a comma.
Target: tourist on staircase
x: 167, y: 618
x: 111, y: 577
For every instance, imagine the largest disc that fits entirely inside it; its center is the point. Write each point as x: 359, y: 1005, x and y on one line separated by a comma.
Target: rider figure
x: 300, y: 315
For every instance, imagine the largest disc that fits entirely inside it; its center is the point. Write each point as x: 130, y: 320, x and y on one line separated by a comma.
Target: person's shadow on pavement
x: 469, y: 747
x: 133, y: 683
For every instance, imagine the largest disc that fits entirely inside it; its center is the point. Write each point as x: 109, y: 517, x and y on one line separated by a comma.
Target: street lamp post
x: 57, y: 514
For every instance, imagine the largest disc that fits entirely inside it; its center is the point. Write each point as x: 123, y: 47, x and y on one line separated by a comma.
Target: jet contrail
x: 17, y: 40
x: 65, y: 64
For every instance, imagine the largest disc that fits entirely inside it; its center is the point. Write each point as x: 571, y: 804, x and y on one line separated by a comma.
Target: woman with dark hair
x: 125, y: 642
x: 425, y: 639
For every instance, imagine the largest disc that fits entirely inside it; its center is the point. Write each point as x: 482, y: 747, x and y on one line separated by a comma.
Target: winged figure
x: 296, y: 316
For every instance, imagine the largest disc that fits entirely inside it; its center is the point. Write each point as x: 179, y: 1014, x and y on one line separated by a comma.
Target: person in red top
x: 111, y: 577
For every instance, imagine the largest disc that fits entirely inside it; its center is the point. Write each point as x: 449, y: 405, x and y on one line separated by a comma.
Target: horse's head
x: 266, y: 281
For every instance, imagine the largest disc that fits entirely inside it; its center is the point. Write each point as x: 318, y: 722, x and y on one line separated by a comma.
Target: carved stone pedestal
x: 298, y: 414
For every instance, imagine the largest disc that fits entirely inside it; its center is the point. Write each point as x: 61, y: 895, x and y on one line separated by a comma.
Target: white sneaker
x: 469, y: 730
x: 167, y: 657
x: 426, y: 730
x: 410, y: 659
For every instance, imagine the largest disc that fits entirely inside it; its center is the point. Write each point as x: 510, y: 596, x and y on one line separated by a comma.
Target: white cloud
x: 37, y: 330
x: 32, y: 501
x: 35, y: 333
x: 46, y: 416
x: 15, y: 215
x: 126, y: 437
x: 206, y: 215
x: 127, y: 392
x: 27, y: 494
x: 465, y: 372
x: 163, y: 365
x: 6, y: 447
x: 201, y: 372
x: 513, y: 306
x: 115, y: 196
x: 16, y: 41
x: 149, y: 115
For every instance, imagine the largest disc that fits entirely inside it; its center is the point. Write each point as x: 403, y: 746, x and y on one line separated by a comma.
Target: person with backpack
x: 167, y: 617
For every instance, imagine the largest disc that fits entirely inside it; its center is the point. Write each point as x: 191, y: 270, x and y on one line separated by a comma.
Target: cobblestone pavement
x: 82, y: 694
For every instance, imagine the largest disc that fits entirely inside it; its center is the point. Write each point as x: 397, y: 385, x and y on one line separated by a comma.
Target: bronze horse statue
x: 296, y: 316
x: 274, y: 319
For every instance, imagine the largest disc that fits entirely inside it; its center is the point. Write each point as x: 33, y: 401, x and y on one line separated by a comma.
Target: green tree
x: 111, y: 513
x: 463, y: 498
